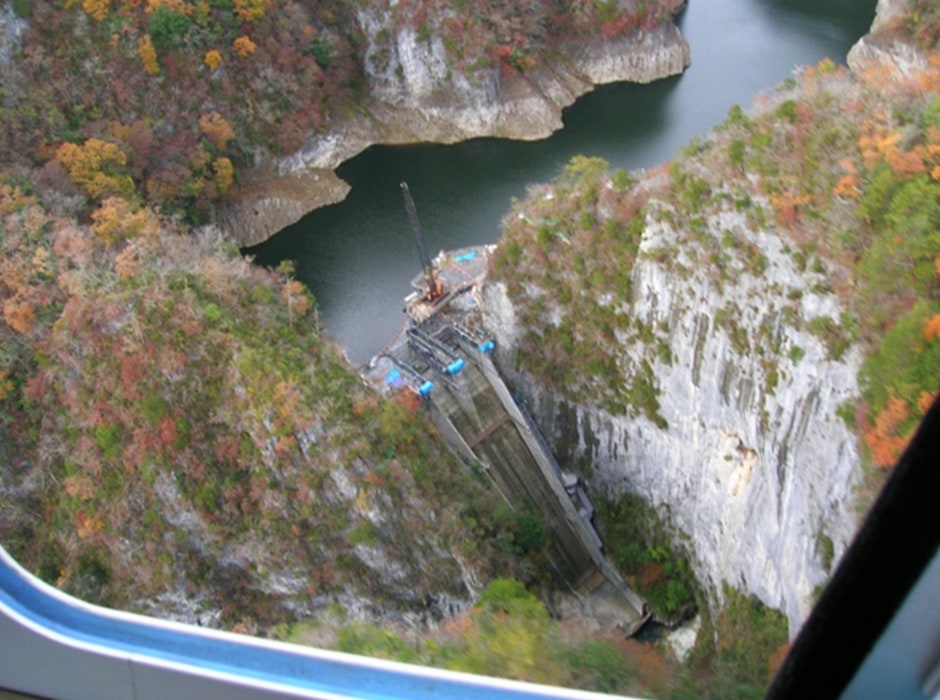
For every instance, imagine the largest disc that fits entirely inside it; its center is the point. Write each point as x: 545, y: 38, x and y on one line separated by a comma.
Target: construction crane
x: 433, y: 287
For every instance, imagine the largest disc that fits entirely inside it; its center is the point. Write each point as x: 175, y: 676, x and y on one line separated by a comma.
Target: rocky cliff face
x: 11, y: 29
x: 417, y: 97
x: 755, y: 471
x: 434, y: 102
x: 883, y: 46
x: 721, y: 362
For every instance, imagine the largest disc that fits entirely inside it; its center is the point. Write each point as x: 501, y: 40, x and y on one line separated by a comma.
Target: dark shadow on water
x: 845, y: 19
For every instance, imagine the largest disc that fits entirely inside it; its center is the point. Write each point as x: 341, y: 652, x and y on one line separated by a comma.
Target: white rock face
x: 903, y: 60
x: 888, y: 13
x: 416, y: 96
x: 419, y: 98
x: 11, y: 31
x: 755, y: 470
x: 640, y: 58
x: 882, y: 48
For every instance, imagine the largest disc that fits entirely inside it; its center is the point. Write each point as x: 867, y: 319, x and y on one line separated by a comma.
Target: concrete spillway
x: 479, y: 417
x: 496, y: 438
x: 442, y: 356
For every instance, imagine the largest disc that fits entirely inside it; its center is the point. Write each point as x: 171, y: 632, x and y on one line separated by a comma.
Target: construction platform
x: 434, y: 333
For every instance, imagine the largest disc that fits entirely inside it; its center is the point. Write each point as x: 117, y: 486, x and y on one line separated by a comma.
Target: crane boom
x: 433, y: 288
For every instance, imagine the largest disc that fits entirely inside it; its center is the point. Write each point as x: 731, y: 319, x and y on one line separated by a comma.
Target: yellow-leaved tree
x: 224, y: 174
x: 98, y: 166
x: 213, y: 59
x: 250, y: 10
x: 97, y: 9
x: 148, y: 55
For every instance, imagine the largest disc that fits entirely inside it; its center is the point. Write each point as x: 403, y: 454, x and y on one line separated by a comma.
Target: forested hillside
x: 178, y: 438
x: 168, y: 102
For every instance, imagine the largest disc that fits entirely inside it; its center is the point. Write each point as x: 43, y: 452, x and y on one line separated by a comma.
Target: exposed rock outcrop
x: 883, y: 45
x: 746, y: 455
x: 416, y: 99
x: 11, y: 29
x: 755, y: 470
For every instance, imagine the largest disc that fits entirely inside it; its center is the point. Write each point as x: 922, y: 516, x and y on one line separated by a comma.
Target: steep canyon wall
x: 747, y: 452
x: 755, y: 471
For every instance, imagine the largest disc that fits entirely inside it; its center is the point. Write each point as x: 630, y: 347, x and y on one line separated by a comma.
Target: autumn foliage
x: 244, y: 46
x: 213, y: 59
x: 886, y: 439
x: 214, y: 127
x: 98, y: 166
x: 276, y: 73
x: 250, y: 10
x: 97, y: 9
x: 118, y: 220
x: 163, y: 401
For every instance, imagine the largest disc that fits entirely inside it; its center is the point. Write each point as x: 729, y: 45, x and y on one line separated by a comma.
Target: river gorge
x: 714, y: 293
x: 358, y: 256
x: 754, y: 475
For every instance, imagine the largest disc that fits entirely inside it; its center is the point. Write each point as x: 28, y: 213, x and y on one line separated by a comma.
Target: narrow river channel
x: 358, y: 256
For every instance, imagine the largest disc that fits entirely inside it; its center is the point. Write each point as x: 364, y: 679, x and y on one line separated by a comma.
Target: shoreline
x: 525, y: 107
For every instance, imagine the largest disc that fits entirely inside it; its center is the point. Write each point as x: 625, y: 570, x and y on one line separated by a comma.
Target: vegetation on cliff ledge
x: 843, y: 171
x: 509, y: 633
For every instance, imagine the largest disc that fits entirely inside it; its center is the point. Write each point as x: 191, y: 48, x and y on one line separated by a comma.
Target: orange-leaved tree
x: 244, y: 46
x: 117, y: 219
x: 886, y: 439
x: 218, y: 131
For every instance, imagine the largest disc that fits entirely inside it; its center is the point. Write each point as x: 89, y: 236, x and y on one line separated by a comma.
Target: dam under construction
x: 444, y: 356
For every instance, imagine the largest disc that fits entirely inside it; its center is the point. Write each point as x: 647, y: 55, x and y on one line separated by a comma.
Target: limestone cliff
x: 11, y: 29
x: 884, y: 45
x: 417, y: 97
x: 696, y: 337
x: 754, y: 472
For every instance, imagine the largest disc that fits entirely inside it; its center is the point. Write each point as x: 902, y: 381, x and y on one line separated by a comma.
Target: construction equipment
x: 472, y: 337
x: 439, y: 356
x: 407, y: 376
x: 433, y: 287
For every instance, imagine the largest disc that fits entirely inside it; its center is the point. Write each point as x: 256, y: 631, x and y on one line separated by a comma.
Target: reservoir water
x: 359, y: 256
